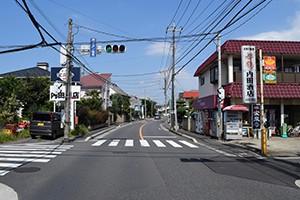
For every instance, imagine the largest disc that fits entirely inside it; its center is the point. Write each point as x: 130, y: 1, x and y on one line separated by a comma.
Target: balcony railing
x: 282, y: 77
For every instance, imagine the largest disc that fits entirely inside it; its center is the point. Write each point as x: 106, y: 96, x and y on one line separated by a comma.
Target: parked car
x: 46, y: 124
x: 157, y: 117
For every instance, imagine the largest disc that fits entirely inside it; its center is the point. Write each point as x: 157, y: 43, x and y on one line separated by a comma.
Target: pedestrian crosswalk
x: 144, y: 143
x: 16, y: 155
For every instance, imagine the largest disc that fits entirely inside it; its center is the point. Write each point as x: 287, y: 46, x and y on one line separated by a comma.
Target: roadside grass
x: 4, y: 137
x: 79, y: 130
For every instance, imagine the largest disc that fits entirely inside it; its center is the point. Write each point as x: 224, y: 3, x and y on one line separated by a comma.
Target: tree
x: 120, y: 105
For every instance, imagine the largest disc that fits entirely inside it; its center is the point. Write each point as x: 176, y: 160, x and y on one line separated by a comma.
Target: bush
x: 79, y: 130
x: 9, y: 137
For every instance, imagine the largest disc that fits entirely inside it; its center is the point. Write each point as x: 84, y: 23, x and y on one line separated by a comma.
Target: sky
x: 141, y: 26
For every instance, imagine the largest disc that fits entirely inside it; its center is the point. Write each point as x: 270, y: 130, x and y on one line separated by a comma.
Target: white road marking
x: 188, y: 144
x: 129, y: 143
x: 297, y: 182
x: 39, y: 160
x: 10, y: 165
x: 174, y: 144
x: 98, y: 143
x: 159, y: 143
x: 144, y: 143
x: 114, y: 143
x: 28, y: 155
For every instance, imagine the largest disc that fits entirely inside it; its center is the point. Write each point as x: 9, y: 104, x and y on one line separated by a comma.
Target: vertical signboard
x: 270, y: 69
x: 256, y: 117
x: 93, y: 47
x: 249, y: 74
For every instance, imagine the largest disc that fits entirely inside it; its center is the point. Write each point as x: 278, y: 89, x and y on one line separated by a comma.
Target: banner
x: 270, y: 69
x: 249, y: 74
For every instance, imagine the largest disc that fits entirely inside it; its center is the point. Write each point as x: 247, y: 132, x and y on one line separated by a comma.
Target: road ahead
x: 143, y: 160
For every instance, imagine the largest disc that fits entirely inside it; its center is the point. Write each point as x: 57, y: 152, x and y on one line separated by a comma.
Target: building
x: 281, y: 99
x: 102, y: 83
x: 40, y: 70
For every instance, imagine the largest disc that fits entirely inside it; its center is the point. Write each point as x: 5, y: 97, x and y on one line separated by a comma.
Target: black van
x: 46, y: 124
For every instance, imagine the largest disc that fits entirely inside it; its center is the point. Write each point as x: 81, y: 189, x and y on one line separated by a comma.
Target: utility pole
x: 263, y: 130
x: 68, y: 83
x: 220, y: 118
x: 173, y: 113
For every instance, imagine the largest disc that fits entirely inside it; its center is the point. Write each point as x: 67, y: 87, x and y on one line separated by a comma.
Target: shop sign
x: 249, y: 74
x: 58, y: 92
x: 270, y: 69
x: 256, y: 117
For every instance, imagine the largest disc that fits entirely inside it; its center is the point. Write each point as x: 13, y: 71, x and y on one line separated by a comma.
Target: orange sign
x: 270, y: 63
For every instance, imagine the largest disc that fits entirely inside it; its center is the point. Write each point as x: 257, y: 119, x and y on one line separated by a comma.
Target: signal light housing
x: 115, y: 48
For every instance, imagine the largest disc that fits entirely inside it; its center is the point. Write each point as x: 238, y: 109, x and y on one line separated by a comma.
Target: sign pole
x: 263, y: 130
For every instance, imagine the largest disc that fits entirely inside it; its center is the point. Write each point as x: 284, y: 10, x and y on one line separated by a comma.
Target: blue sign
x: 93, y: 47
x: 58, y: 74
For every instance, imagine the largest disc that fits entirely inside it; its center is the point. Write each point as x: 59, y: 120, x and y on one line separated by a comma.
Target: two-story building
x: 281, y: 99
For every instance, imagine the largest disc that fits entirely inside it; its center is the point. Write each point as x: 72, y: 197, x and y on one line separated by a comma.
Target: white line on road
x: 188, y: 144
x: 114, y: 143
x: 174, y: 144
x: 159, y: 143
x: 144, y: 143
x: 129, y: 143
x: 98, y: 143
x: 39, y: 160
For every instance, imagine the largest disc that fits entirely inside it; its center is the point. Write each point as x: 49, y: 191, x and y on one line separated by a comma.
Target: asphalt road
x: 143, y: 160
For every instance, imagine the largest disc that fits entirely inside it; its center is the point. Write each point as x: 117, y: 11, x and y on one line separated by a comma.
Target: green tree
x: 120, y: 105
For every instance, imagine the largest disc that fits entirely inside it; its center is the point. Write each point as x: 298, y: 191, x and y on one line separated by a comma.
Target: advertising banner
x: 270, y: 69
x: 58, y: 92
x: 249, y: 74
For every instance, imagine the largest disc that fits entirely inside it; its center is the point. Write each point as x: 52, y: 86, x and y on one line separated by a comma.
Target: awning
x: 236, y: 108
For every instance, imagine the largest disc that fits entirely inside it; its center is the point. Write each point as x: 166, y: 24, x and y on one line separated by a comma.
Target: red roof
x: 190, y: 94
x: 94, y: 80
x: 282, y: 90
x: 268, y: 47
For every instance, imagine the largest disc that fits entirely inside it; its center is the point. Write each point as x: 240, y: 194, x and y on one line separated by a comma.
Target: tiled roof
x: 29, y: 72
x: 282, y: 90
x: 190, y: 94
x: 94, y: 80
x: 268, y: 47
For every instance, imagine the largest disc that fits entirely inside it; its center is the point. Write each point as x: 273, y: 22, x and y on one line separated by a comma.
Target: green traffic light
x: 108, y: 48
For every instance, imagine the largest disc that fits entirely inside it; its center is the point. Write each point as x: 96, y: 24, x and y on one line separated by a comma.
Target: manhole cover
x: 27, y: 169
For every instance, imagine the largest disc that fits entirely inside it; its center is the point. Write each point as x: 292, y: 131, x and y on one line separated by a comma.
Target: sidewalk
x: 276, y: 146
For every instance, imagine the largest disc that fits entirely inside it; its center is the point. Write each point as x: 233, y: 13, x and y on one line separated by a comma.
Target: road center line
x: 141, y: 132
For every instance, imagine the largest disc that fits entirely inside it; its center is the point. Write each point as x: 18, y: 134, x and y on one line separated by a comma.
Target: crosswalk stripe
x: 10, y: 165
x: 28, y: 155
x: 34, y: 152
x: 188, y: 144
x: 14, y: 156
x: 129, y: 143
x: 98, y: 143
x: 144, y: 143
x: 114, y: 143
x: 40, y: 160
x: 174, y: 144
x: 159, y: 143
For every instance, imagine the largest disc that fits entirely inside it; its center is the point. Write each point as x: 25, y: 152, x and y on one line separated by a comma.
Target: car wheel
x: 33, y: 136
x: 53, y: 136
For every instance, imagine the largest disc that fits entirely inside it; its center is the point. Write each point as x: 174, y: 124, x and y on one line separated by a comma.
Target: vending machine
x: 233, y: 126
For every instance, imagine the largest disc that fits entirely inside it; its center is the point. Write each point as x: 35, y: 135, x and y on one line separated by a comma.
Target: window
x: 202, y: 80
x: 214, y: 75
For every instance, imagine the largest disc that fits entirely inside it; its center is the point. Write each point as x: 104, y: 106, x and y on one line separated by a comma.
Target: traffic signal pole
x: 68, y: 84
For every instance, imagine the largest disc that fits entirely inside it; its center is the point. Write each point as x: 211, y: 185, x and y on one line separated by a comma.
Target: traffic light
x: 115, y: 48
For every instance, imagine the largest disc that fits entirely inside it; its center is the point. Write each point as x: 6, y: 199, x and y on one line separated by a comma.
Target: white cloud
x: 157, y: 49
x: 186, y: 81
x: 291, y: 33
